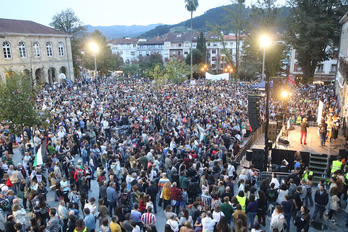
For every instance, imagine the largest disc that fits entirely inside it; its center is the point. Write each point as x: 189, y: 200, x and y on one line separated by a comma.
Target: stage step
x: 318, y: 164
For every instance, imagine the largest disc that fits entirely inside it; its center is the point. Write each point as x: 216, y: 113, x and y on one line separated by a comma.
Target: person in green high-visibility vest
x: 336, y: 165
x: 307, y: 173
x: 242, y: 200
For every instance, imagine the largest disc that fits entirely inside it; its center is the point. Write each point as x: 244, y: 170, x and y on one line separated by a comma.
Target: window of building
x: 333, y: 67
x: 213, y: 58
x: 133, y: 53
x: 297, y: 68
x: 320, y: 68
x: 213, y: 51
x: 179, y: 53
x: 6, y: 48
x: 49, y: 49
x: 22, y: 49
x: 36, y: 47
x: 61, y: 49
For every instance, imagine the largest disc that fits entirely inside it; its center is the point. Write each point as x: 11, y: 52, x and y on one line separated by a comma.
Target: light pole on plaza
x: 94, y: 48
x: 285, y: 95
x: 265, y: 42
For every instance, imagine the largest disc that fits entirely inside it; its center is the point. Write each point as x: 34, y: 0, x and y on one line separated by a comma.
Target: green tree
x: 264, y: 20
x: 148, y: 63
x: 202, y: 46
x: 191, y: 6
x: 158, y: 74
x: 314, y: 32
x: 18, y: 102
x: 68, y: 22
x: 106, y: 61
x: 236, y: 18
x: 197, y: 57
x: 131, y: 69
x: 177, y: 71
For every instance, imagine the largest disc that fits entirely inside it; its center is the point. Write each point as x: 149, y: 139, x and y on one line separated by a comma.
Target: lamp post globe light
x: 94, y: 48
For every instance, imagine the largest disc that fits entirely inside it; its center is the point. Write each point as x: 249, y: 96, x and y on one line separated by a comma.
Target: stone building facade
x: 33, y: 48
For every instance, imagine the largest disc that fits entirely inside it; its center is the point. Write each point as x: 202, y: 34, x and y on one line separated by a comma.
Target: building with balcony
x: 150, y: 46
x: 34, y: 48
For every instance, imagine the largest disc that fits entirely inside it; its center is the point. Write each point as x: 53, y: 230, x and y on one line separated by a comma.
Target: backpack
x: 5, y: 205
x: 124, y: 200
x: 271, y: 194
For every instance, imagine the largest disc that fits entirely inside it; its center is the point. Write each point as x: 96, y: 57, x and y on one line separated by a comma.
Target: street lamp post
x: 94, y: 48
x: 265, y: 41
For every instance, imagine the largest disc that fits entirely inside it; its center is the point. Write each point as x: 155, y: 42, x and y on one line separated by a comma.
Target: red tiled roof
x: 14, y: 26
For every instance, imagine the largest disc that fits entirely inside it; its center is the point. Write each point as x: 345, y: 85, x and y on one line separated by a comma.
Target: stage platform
x: 313, y: 142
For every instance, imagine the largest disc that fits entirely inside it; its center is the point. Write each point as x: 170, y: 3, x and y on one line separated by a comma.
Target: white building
x: 34, y: 48
x: 126, y: 48
x: 342, y: 74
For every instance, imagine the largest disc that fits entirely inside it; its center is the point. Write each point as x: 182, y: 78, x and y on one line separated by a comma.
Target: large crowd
x: 148, y: 148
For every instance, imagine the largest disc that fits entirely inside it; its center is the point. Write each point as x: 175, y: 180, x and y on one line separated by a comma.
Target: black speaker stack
x: 259, y: 159
x: 254, y: 102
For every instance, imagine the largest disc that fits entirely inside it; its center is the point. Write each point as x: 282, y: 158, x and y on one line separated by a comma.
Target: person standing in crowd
x: 304, y: 125
x: 322, y: 132
x: 321, y: 198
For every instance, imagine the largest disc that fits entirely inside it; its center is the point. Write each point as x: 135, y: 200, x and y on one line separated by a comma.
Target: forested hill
x: 215, y: 16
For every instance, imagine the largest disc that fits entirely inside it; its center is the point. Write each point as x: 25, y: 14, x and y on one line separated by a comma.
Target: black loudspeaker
x: 259, y: 160
x: 254, y: 111
x: 249, y: 155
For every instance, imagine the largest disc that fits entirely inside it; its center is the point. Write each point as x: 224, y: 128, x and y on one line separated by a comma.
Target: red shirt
x: 175, y: 193
x: 142, y: 205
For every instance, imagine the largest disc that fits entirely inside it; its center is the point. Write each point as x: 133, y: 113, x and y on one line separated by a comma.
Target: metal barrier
x: 255, y: 136
x: 280, y: 176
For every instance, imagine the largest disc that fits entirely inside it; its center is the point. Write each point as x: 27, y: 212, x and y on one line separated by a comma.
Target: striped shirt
x: 161, y: 182
x: 148, y: 218
x: 207, y: 200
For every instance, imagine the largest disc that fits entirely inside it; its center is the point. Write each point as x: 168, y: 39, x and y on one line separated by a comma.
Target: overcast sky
x: 110, y: 12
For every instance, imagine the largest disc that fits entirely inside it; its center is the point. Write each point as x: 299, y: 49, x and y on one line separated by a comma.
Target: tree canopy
x: 68, y: 22
x: 106, y: 61
x: 314, y: 31
x: 18, y: 102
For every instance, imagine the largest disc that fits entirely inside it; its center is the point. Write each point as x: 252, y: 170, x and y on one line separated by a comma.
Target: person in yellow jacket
x: 242, y: 200
x: 166, y: 193
x: 307, y: 173
x: 336, y: 165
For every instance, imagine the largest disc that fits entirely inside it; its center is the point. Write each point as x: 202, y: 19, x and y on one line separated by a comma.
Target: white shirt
x: 230, y: 170
x: 208, y: 224
x: 276, y: 183
x: 217, y: 216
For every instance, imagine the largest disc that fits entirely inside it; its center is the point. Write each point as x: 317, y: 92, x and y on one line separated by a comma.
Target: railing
x: 255, y: 136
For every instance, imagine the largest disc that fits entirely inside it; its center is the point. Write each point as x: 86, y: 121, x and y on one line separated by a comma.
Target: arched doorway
x: 52, y: 75
x: 38, y: 75
x: 63, y: 70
